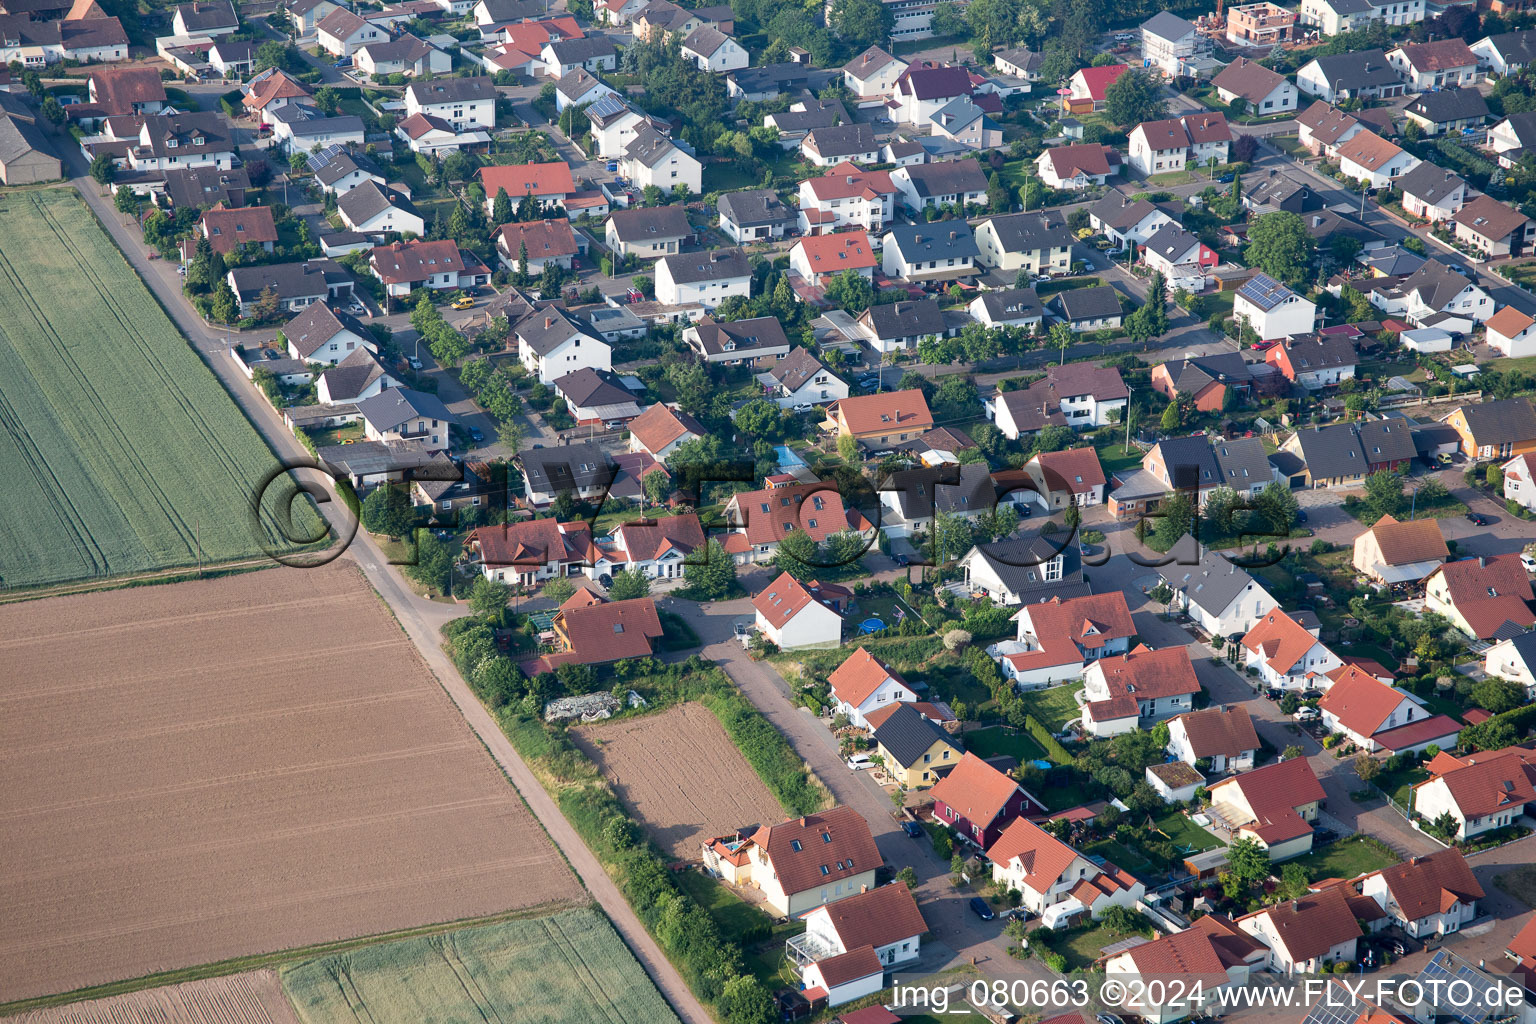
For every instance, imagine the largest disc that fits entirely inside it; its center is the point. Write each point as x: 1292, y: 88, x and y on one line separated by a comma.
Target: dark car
x: 1225, y: 179
x: 912, y: 829
x: 901, y: 560
x: 476, y: 435
x: 981, y: 908
x: 1025, y: 509
x: 1478, y: 518
x: 1369, y: 957
x: 1301, y: 515
x: 1274, y: 694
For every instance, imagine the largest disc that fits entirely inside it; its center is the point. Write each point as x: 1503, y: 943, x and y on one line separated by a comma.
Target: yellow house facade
x: 914, y: 750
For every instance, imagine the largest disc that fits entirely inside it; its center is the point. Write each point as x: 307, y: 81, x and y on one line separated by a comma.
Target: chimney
x: 549, y: 321
x: 802, y: 821
x: 864, y: 887
x: 1482, y: 561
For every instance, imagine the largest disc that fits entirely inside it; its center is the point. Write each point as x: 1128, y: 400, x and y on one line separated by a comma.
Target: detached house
x: 530, y: 551
x: 708, y: 278
x: 596, y: 398
x: 1274, y: 805
x: 648, y: 231
x: 1180, y: 256
x: 552, y: 343
x: 1400, y: 552
x: 1520, y: 480
x: 928, y: 252
x: 1495, y: 430
x: 758, y: 520
x: 1272, y: 309
x: 1125, y: 221
x: 1213, y: 955
x: 1221, y: 598
x: 1482, y: 791
x: 1377, y: 716
x: 820, y: 258
x: 1057, y: 638
x: 873, y: 74
x: 1120, y: 691
x: 834, y: 144
x: 1440, y: 64
x: 1061, y: 479
x: 1088, y: 87
x: 957, y: 183
x: 790, y: 615
x: 1360, y: 74
x: 550, y: 183
x: 898, y: 326
x: 1431, y: 193
x: 862, y: 684
x: 875, y: 930
x: 660, y: 429
x: 1204, y: 379
x: 1167, y: 40
x: 739, y: 341
x: 1037, y: 242
x: 583, y: 469
x: 1096, y: 308
x: 799, y: 379
x: 1323, y: 128
x: 922, y: 90
x: 653, y: 158
x: 1011, y: 307
x: 533, y: 245
x: 406, y: 266
x: 1264, y: 91
x: 1010, y: 572
x: 800, y: 864
x: 1076, y: 166
x: 1481, y: 596
x: 1493, y: 228
x: 227, y: 230
x: 374, y: 211
x: 1306, y: 933
x: 1511, y: 332
x: 319, y: 334
x: 1287, y: 655
x: 1049, y: 873
x: 754, y: 214
x: 1506, y: 52
x: 911, y: 498
x: 1449, y: 110
x: 1314, y: 361
x: 1367, y: 156
x: 1161, y: 147
x: 1223, y: 737
x: 847, y: 196
x: 401, y: 414
x: 978, y: 802
x: 1432, y: 895
x: 1086, y: 395
x: 341, y: 32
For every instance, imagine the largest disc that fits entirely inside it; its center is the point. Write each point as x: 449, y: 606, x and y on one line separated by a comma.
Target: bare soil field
x: 207, y: 770
x: 681, y: 776
x: 255, y: 997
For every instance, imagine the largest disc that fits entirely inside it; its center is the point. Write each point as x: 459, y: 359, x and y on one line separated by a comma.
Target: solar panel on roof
x: 609, y: 104
x: 1263, y: 291
x: 1446, y: 967
x: 325, y: 156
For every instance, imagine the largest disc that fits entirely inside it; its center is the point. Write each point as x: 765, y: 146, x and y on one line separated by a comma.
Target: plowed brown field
x: 255, y: 997
x: 200, y: 771
x: 681, y: 775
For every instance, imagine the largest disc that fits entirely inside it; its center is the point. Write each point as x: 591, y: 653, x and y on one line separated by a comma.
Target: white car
x: 1305, y: 714
x: 859, y: 762
x: 1528, y: 562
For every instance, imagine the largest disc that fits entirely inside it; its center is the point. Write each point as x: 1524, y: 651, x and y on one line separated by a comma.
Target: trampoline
x: 871, y: 626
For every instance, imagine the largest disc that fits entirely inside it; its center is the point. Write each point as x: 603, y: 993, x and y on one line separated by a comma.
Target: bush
x: 766, y: 750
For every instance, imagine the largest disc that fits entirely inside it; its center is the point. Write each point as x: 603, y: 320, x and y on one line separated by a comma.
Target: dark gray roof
x: 1241, y: 462
x: 1026, y: 232
x: 368, y: 200
x: 933, y: 241
x: 206, y: 186
x: 1436, y: 283
x: 1012, y: 304
x: 951, y: 177
x: 1349, y: 449
x: 289, y: 280
x: 843, y: 140
x: 1393, y: 260
x: 1525, y: 645
x: 577, y: 82
x: 715, y: 265
x: 1449, y: 105
x: 1288, y: 464
x: 1167, y: 25
x: 773, y: 77
x: 1117, y: 211
x: 1323, y: 224
x: 794, y: 369
x: 393, y: 407
x: 1506, y: 420
x: 817, y: 114
x: 1310, y: 352
x: 15, y: 105
x: 1019, y: 563
x: 959, y: 489
x: 566, y: 468
x: 1429, y: 183
x: 199, y: 17
x: 754, y: 207
x: 546, y: 329
x: 1278, y: 190
x: 1190, y: 462
x: 347, y: 379
x: 1172, y: 242
x: 365, y: 458
x: 906, y: 319
x: 569, y: 51
x: 1023, y: 58
x: 18, y: 138
x: 650, y: 223
x: 404, y: 47
x: 317, y: 324
x: 1523, y: 125
x: 906, y: 735
x: 1192, y: 374
x: 763, y: 332
x: 1516, y: 47
x: 1212, y: 584
x: 452, y: 90
x: 589, y: 387
x: 1088, y: 303
x: 344, y: 164
x: 1357, y: 71
x: 514, y: 10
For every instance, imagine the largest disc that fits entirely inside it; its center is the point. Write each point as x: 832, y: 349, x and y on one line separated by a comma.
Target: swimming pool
x: 787, y: 457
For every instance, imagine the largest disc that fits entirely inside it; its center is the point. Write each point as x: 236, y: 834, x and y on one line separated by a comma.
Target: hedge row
x: 1053, y: 748
x: 767, y: 751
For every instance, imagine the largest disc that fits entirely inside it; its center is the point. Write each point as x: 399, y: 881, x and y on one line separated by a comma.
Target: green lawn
x: 336, y: 435
x: 1185, y: 832
x: 733, y: 914
x: 1080, y: 947
x: 995, y: 741
x: 1124, y: 856
x: 1114, y: 458
x: 1053, y: 707
x: 1399, y: 784
x: 1348, y: 858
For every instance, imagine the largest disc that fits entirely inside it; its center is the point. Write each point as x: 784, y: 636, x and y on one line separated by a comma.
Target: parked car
x: 476, y: 435
x: 1274, y: 694
x: 1479, y: 518
x: 981, y: 908
x: 859, y: 762
x: 1528, y: 562
x: 463, y: 302
x: 1305, y: 714
x: 912, y: 829
x: 413, y: 362
x: 1225, y: 179
x: 1301, y: 515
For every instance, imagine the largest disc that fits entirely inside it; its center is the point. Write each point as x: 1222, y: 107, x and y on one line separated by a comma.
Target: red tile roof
x: 1498, y: 783
x: 1418, y: 540
x: 531, y: 543
x: 860, y: 675
x: 228, y: 229
x: 1441, y: 729
x: 976, y: 789
x: 546, y: 239
x: 1065, y: 629
x: 835, y: 253
x: 1488, y: 592
x: 847, y: 180
x: 1087, y: 158
x: 850, y: 966
x: 769, y: 515
x: 1042, y: 856
x: 401, y: 262
x: 887, y: 411
x: 1075, y: 470
x: 605, y: 632
x: 1098, y: 80
x: 1431, y: 884
x: 648, y: 539
x: 1145, y: 674
x: 1440, y: 55
x: 1361, y: 702
x: 875, y: 918
x: 116, y: 90
x: 659, y: 425
x: 1273, y: 793
x: 1310, y: 926
x: 837, y: 839
x: 1226, y: 731
x: 524, y: 179
x: 1281, y: 639
x: 782, y: 600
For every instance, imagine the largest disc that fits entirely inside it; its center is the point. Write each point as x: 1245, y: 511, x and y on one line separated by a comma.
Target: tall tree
x: 712, y: 577
x: 860, y: 23
x: 1133, y: 98
x: 1279, y: 245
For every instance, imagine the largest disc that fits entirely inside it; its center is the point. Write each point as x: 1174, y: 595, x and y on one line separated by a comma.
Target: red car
x: 1260, y: 346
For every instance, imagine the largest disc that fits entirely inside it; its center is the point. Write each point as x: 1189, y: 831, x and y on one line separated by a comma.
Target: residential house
x: 1511, y: 332
x: 1396, y: 552
x: 1431, y: 193
x: 358, y: 376
x: 1023, y: 64
x: 596, y: 633
x: 1481, y: 595
x: 306, y: 15
x: 1036, y: 242
x: 375, y: 211
x: 863, y: 684
x: 1498, y: 429
x: 1211, y: 957
x: 820, y: 258
x: 1322, y: 129
x: 882, y: 419
x: 271, y: 89
x: 173, y: 141
x: 1222, y: 737
x: 1511, y: 137
x: 791, y: 617
x: 341, y: 32
x: 1493, y: 228
x: 978, y: 802
x: 533, y: 245
x: 753, y: 215
x: 1436, y: 295
x: 205, y: 18
x: 873, y: 74
x: 1180, y: 256
x: 1262, y: 91
x: 1009, y: 307
x: 596, y: 398
x: 1096, y: 308
x: 1308, y: 933
x: 232, y: 59
x: 1058, y: 638
x: 758, y: 520
x: 1174, y: 781
x: 1334, y: 16
x: 653, y: 158
x: 1167, y: 40
x: 1260, y: 24
x: 1481, y: 791
x: 403, y: 414
x: 300, y: 127
x: 928, y: 252
x: 1448, y: 111
x: 1120, y: 691
x: 647, y: 231
x: 1088, y: 87
x: 550, y: 183
x: 1048, y: 873
x: 1010, y: 572
x: 660, y: 429
x: 963, y: 122
x: 1085, y: 394
x: 834, y: 144
x: 1288, y: 655
x: 1344, y: 454
x: 846, y: 196
x: 1076, y: 166
x: 1314, y: 361
x: 339, y: 171
x: 594, y: 54
x: 1072, y: 477
x: 1374, y: 715
x: 579, y: 88
x: 1124, y: 221
x: 1220, y: 597
x: 1367, y: 156
x: 800, y: 864
x: 799, y: 380
x: 123, y: 92
x: 911, y: 498
x: 582, y: 469
x: 884, y: 922
x: 958, y: 183
x: 614, y: 125
x: 1205, y: 380
x: 1199, y: 466
x: 1436, y: 65
x: 740, y: 341
x: 1431, y: 895
x: 552, y: 343
x: 1272, y: 310
x: 320, y: 334
x: 659, y: 549
x: 403, y: 54
x: 406, y: 266
x: 1275, y: 805
x: 708, y: 278
x: 1506, y: 52
x: 922, y: 90
x: 1360, y: 74
x: 228, y: 230
x: 1198, y: 140
x: 295, y: 284
x: 899, y: 326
